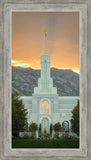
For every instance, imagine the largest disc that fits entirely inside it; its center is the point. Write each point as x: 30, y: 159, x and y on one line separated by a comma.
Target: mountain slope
x: 25, y: 79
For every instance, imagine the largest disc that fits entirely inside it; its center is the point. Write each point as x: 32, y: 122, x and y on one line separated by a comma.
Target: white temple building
x: 45, y: 106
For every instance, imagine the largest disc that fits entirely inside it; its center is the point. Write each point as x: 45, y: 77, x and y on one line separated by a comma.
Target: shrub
x: 57, y: 127
x: 33, y: 136
x: 26, y: 136
x: 56, y: 135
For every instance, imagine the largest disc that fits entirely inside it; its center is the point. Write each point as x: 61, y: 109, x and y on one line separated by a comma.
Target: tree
x: 75, y: 119
x: 19, y: 114
x: 33, y: 127
x: 40, y: 129
x: 57, y: 127
x: 50, y: 128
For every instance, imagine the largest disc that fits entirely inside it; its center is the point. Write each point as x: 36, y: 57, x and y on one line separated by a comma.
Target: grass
x: 44, y: 143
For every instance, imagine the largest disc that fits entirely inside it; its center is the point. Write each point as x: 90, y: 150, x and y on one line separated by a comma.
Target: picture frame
x: 5, y: 81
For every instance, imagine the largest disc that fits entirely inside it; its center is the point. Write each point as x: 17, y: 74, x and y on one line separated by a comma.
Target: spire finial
x: 46, y: 33
x: 45, y: 38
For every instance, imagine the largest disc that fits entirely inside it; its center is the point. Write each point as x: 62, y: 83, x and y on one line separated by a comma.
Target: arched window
x: 65, y: 126
x: 45, y: 107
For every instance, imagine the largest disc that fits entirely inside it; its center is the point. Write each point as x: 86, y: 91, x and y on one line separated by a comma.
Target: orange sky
x: 28, y: 39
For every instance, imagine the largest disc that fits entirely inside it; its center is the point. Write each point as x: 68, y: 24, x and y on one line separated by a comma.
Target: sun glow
x: 35, y: 64
x: 22, y: 65
x: 19, y: 64
x: 77, y: 71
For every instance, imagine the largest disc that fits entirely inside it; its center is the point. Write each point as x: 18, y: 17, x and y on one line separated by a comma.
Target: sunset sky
x: 28, y: 39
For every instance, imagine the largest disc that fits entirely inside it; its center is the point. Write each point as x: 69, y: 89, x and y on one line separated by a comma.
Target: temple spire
x: 45, y: 42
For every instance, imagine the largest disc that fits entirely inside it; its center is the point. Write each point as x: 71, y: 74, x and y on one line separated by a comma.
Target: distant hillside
x: 25, y: 79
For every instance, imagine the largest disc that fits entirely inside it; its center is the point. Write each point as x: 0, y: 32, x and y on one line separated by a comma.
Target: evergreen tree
x: 40, y: 129
x: 50, y: 128
x: 19, y: 114
x: 75, y: 119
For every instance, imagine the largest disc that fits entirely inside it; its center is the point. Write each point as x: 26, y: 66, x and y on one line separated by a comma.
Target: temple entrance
x: 45, y: 125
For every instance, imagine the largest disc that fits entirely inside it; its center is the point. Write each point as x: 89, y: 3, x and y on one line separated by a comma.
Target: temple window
x: 65, y: 126
x: 45, y: 107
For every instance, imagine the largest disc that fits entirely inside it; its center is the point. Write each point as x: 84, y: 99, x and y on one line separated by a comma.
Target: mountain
x: 25, y: 79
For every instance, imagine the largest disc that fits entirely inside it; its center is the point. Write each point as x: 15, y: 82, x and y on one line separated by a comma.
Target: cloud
x: 28, y: 38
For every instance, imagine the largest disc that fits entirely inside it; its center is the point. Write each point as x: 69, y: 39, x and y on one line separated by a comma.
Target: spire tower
x: 45, y: 82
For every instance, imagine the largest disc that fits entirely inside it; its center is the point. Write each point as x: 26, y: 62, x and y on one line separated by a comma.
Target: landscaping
x: 45, y: 143
x: 32, y: 135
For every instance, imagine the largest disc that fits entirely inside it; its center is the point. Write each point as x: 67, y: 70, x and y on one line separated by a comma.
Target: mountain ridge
x: 25, y: 79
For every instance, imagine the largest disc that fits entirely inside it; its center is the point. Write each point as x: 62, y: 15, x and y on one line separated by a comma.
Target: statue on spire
x: 46, y: 33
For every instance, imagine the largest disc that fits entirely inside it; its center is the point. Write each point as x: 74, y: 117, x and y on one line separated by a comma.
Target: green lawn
x: 43, y: 143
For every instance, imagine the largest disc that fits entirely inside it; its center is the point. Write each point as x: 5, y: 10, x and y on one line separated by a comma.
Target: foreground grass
x: 51, y: 143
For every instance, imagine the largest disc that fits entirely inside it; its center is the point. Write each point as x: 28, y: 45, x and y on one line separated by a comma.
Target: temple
x: 45, y: 106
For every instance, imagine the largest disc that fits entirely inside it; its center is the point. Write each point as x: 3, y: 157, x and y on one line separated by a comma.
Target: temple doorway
x: 45, y: 126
